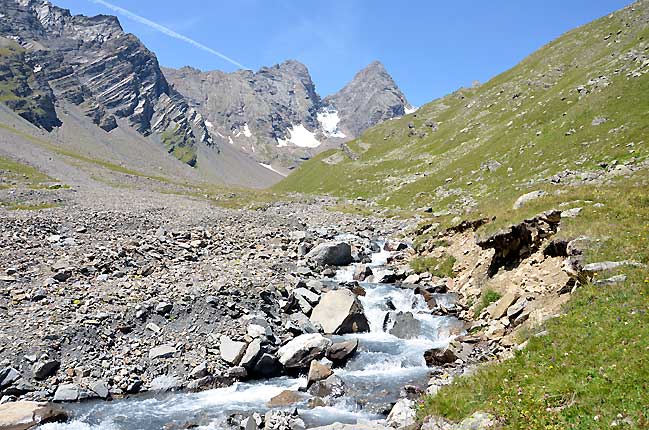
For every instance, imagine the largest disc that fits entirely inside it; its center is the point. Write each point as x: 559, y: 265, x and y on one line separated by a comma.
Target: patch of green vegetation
x: 590, y: 370
x: 435, y: 266
x: 30, y: 206
x: 177, y: 144
x: 488, y: 297
x: 22, y: 174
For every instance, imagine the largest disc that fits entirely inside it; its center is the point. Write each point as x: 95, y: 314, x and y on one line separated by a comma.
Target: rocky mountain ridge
x: 276, y: 115
x: 50, y: 57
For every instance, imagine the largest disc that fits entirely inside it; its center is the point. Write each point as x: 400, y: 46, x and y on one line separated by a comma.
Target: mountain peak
x: 371, y: 97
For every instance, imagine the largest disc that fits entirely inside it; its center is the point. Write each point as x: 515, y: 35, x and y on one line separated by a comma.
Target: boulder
x: 300, y: 324
x: 393, y: 245
x: 331, y: 254
x: 441, y: 356
x: 100, y: 388
x: 498, y: 309
x: 162, y: 351
x: 299, y: 352
x: 405, y: 326
x: 44, y: 369
x: 286, y: 398
x: 165, y: 383
x: 267, y: 366
x: 8, y: 376
x: 252, y: 352
x: 231, y: 351
x: 402, y: 415
x: 526, y: 198
x: 340, y: 312
x: 339, y: 353
x: 318, y: 372
x: 25, y: 415
x: 66, y: 393
x: 333, y: 386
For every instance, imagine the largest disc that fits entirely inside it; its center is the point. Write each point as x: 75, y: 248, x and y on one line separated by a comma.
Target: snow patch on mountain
x: 410, y: 109
x: 329, y: 121
x: 300, y: 136
x: 269, y: 167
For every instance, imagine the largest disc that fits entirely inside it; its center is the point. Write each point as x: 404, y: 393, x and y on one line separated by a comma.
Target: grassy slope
x: 518, y: 119
x: 591, y: 369
x: 593, y: 365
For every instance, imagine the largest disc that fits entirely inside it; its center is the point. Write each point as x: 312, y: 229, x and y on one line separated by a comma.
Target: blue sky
x: 430, y: 47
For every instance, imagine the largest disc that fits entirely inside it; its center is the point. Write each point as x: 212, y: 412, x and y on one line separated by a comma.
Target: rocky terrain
x: 275, y: 114
x: 159, y: 293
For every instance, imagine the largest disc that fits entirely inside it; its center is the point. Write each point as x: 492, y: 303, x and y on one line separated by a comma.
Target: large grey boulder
x: 165, y: 383
x: 331, y: 254
x: 340, y: 312
x: 299, y: 352
x: 252, y: 352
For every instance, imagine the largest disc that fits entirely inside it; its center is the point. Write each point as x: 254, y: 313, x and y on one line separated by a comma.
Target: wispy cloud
x: 165, y: 30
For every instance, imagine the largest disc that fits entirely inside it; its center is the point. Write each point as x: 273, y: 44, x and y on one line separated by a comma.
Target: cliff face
x: 91, y: 62
x: 254, y: 111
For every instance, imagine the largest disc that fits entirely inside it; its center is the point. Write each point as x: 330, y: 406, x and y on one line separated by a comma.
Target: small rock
x: 318, y: 372
x: 100, y: 388
x: 163, y: 351
x: 163, y: 308
x: 402, y: 415
x: 66, y: 393
x: 45, y: 368
x: 339, y: 353
x: 286, y: 398
x: 231, y: 351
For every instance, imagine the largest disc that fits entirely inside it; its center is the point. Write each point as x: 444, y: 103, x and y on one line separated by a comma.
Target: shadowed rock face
x: 369, y: 99
x: 260, y: 109
x: 91, y: 62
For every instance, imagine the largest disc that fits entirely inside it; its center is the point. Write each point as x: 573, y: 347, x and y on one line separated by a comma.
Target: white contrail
x: 167, y: 31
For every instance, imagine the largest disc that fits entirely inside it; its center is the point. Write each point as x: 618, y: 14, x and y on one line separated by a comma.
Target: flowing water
x: 373, y: 378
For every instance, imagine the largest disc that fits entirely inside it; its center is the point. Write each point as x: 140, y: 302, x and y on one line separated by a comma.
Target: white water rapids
x: 373, y: 378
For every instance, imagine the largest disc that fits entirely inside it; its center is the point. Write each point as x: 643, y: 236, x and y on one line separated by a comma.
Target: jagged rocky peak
x: 369, y: 99
x: 276, y: 115
x: 92, y: 63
